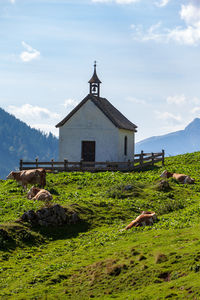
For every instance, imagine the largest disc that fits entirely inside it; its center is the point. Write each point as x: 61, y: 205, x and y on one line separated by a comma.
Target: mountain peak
x: 174, y: 143
x: 194, y: 125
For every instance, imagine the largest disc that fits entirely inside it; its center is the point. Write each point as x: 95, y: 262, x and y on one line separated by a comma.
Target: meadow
x: 96, y: 258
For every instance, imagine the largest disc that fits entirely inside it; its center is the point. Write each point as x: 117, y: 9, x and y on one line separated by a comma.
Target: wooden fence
x: 140, y: 161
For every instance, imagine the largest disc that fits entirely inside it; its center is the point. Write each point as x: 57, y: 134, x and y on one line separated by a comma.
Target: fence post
x: 152, y: 158
x: 129, y: 164
x: 141, y: 158
x: 108, y: 165
x: 133, y: 161
x: 163, y: 157
x: 21, y: 164
x: 81, y: 164
x: 65, y: 164
x: 52, y: 165
x: 36, y: 163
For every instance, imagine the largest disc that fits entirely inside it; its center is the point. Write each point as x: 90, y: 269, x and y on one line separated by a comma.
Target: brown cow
x: 34, y: 176
x: 39, y: 194
x: 146, y: 218
x: 182, y: 178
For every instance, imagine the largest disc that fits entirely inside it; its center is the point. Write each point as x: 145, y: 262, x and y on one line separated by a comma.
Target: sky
x: 147, y: 53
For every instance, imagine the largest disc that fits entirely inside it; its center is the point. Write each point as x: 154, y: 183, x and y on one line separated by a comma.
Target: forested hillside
x: 19, y: 141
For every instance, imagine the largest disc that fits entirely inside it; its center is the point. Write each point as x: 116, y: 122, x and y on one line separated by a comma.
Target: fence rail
x: 140, y: 161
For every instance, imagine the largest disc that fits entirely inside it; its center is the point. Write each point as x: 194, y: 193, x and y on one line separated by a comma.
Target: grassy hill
x: 96, y: 258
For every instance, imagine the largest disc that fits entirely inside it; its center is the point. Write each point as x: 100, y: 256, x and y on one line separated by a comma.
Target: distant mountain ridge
x: 20, y: 141
x: 179, y: 142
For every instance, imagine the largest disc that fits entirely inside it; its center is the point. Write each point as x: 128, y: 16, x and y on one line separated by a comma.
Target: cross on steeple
x: 95, y: 83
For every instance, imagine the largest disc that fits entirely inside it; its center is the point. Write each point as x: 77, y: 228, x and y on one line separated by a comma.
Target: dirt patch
x: 164, y: 276
x: 134, y: 252
x: 141, y: 257
x: 115, y: 270
x: 172, y: 295
x: 160, y: 258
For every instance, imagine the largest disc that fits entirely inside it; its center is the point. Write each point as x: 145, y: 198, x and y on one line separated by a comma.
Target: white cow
x: 39, y: 194
x: 182, y: 178
x: 146, y: 218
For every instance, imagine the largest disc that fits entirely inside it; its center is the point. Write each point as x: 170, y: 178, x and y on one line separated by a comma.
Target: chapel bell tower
x: 94, y: 83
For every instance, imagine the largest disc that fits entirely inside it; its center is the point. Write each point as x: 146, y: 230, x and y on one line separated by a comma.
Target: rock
x: 55, y: 215
x: 29, y: 216
x: 42, y: 213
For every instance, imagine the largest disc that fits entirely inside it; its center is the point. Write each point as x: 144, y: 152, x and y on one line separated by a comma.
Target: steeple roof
x: 94, y: 78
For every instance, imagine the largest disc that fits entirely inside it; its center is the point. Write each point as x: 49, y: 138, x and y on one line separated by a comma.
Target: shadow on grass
x: 13, y: 235
x: 62, y: 232
x: 20, y: 235
x: 147, y: 168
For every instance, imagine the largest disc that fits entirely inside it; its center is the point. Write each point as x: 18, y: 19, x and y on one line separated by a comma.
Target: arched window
x: 125, y: 145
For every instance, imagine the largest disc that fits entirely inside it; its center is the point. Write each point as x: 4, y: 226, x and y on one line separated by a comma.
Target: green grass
x: 96, y: 258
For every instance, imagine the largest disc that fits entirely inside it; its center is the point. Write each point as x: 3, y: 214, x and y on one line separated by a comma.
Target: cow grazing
x: 39, y: 194
x: 146, y: 218
x: 34, y: 176
x: 182, y: 178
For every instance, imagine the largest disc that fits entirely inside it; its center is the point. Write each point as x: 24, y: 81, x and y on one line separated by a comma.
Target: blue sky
x: 147, y: 52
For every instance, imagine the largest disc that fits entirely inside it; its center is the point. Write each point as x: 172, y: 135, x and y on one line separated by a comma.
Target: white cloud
x: 70, y: 103
x: 29, y: 54
x: 136, y: 101
x: 116, y: 1
x: 187, y: 35
x: 12, y: 1
x: 46, y: 128
x: 169, y: 122
x: 36, y: 117
x: 196, y: 101
x: 30, y: 112
x: 173, y: 127
x: 162, y: 3
x: 152, y: 33
x: 178, y: 99
x: 190, y: 35
x: 190, y: 13
x: 195, y: 110
x: 166, y: 116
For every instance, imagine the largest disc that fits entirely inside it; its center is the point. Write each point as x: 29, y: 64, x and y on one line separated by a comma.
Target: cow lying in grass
x: 182, y: 178
x: 34, y: 176
x: 146, y: 218
x: 39, y: 194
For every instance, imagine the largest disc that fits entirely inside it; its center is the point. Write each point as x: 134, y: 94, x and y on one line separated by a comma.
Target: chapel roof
x: 113, y: 114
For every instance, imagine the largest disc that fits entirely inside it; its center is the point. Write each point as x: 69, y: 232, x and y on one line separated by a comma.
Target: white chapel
x: 95, y: 130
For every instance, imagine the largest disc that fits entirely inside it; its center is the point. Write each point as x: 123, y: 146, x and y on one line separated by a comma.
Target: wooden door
x: 88, y: 150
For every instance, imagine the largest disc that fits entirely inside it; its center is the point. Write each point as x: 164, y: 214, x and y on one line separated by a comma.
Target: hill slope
x: 179, y: 142
x: 95, y: 258
x: 19, y: 141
